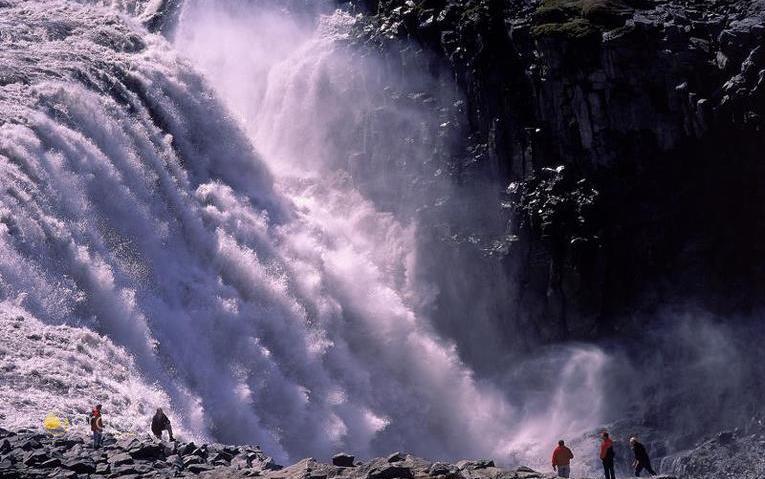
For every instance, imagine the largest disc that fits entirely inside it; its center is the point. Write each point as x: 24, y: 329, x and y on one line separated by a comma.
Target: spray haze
x: 329, y: 118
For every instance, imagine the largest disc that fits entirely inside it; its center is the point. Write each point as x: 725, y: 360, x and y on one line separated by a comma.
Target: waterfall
x: 183, y: 201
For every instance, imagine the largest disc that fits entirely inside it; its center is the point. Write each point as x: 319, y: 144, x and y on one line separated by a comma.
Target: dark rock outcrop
x: 343, y: 460
x: 728, y: 454
x: 32, y: 455
x: 630, y: 134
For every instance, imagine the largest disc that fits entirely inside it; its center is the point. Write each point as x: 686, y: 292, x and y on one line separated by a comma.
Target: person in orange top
x: 607, y: 455
x: 561, y: 458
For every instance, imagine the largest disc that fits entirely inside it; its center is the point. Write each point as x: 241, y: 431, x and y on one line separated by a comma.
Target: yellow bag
x: 54, y: 423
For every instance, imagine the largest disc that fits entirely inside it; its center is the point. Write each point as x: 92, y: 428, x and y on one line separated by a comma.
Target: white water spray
x: 280, y: 309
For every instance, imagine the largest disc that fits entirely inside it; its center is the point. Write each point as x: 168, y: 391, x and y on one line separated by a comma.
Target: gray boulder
x: 343, y: 460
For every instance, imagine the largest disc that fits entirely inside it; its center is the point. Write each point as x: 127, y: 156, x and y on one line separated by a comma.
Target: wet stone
x: 343, y: 460
x: 120, y: 459
x: 391, y: 472
x: 80, y: 466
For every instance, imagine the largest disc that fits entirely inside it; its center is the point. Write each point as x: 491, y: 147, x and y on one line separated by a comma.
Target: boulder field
x: 31, y: 454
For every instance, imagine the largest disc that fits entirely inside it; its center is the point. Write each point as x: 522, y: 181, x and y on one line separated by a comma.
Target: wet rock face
x: 654, y: 110
x: 728, y: 454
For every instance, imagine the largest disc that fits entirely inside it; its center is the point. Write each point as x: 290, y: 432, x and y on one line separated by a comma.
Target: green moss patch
x: 576, y: 19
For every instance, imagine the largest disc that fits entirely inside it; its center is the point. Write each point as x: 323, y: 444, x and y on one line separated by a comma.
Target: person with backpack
x: 642, y: 461
x: 607, y: 455
x: 160, y: 423
x: 97, y: 426
x: 561, y: 459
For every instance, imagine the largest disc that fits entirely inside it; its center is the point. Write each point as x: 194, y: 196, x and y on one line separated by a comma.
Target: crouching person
x: 160, y: 423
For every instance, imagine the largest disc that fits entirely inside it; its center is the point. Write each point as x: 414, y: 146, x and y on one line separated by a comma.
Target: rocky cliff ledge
x: 28, y: 454
x: 630, y: 134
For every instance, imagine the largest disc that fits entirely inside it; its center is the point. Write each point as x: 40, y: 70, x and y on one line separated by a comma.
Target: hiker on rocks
x: 607, y: 455
x: 160, y: 423
x: 642, y: 461
x: 561, y: 459
x: 97, y: 426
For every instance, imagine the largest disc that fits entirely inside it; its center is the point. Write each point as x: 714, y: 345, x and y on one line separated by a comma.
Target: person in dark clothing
x: 642, y: 461
x: 160, y: 423
x: 607, y: 456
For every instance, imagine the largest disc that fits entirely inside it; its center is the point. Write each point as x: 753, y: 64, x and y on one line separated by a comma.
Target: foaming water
x: 62, y: 370
x: 295, y: 102
x: 276, y: 308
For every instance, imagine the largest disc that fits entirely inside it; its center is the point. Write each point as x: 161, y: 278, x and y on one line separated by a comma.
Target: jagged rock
x: 472, y: 465
x: 396, y: 457
x: 63, y: 474
x: 187, y: 449
x: 147, y: 451
x: 119, y: 471
x: 80, y: 466
x: 51, y: 463
x: 192, y: 459
x: 200, y: 451
x: 175, y: 460
x: 30, y: 444
x: 35, y: 457
x: 75, y: 451
x: 120, y: 459
x: 442, y: 469
x: 221, y: 456
x: 197, y: 468
x: 269, y: 464
x: 240, y: 462
x: 169, y: 448
x: 390, y: 472
x: 66, y: 443
x: 343, y: 460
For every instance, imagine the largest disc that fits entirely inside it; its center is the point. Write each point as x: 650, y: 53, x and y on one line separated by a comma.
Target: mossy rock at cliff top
x: 576, y: 19
x: 578, y: 28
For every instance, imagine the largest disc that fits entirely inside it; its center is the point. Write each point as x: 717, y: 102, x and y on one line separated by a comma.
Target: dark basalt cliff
x: 623, y: 141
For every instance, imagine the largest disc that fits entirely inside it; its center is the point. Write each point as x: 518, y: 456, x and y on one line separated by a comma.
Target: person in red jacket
x: 97, y: 426
x: 561, y: 458
x: 607, y: 455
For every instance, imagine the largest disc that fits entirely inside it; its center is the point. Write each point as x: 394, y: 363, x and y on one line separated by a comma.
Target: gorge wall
x: 624, y: 138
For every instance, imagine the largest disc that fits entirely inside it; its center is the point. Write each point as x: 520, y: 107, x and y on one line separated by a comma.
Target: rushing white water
x: 276, y: 308
x: 64, y: 371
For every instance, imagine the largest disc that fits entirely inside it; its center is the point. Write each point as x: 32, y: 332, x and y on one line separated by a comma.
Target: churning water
x: 184, y: 208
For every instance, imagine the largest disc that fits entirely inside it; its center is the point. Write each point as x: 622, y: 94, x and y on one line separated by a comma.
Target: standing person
x: 97, y: 426
x: 642, y: 461
x: 561, y: 459
x: 607, y: 455
x: 159, y: 423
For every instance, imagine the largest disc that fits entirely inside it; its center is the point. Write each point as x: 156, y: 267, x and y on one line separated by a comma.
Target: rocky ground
x: 31, y: 454
x: 730, y: 454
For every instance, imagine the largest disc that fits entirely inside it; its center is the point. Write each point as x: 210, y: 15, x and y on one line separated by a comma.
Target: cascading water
x: 280, y: 308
